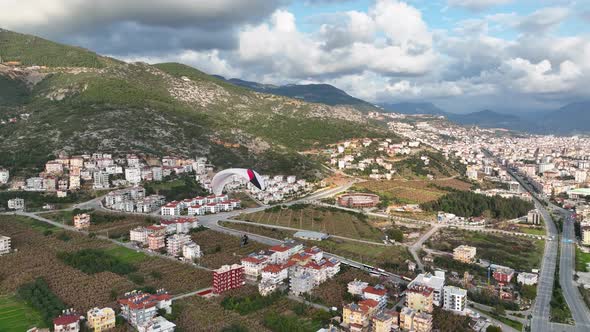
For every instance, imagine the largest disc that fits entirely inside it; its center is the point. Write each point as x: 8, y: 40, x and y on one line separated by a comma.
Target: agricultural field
x: 412, y: 191
x: 37, y: 256
x: 16, y: 316
x: 219, y: 249
x: 391, y: 258
x: 321, y: 219
x: 533, y: 230
x: 515, y: 252
x: 112, y: 224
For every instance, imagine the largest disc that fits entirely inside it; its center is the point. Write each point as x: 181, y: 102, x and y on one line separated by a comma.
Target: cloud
x: 391, y: 39
x: 543, y: 19
x: 476, y: 5
x: 143, y: 25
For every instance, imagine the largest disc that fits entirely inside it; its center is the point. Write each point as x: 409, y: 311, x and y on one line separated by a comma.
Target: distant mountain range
x: 313, y: 93
x: 573, y: 118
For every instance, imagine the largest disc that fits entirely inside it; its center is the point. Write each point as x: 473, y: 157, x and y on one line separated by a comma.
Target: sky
x: 462, y: 55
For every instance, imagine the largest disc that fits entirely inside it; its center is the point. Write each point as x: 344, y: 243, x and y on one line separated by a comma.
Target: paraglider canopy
x: 226, y: 176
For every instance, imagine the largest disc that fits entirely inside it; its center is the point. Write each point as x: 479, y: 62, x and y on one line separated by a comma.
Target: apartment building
x: 100, y: 319
x: 465, y: 254
x: 228, y: 277
x: 454, y: 299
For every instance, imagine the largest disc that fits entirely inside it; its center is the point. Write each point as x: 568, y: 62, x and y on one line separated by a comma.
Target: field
x: 582, y: 260
x: 522, y: 254
x: 111, y: 224
x: 37, y: 257
x: 412, y: 191
x: 532, y: 230
x: 219, y: 249
x: 391, y: 258
x: 16, y: 316
x: 320, y: 219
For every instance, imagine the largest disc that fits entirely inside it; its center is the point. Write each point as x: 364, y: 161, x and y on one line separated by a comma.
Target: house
x: 68, y: 321
x: 356, y: 287
x: 436, y: 282
x: 82, y: 221
x: 455, y: 299
x: 502, y: 274
x: 157, y: 324
x: 356, y: 316
x: 171, y: 209
x: 180, y: 225
x: 377, y: 293
x: 411, y: 320
x: 156, y: 241
x: 302, y: 281
x: 228, y: 277
x: 253, y: 265
x: 191, y: 251
x: 266, y: 288
x: 526, y: 278
x: 16, y: 204
x: 138, y: 234
x: 384, y: 321
x: 211, y: 208
x: 100, y: 319
x: 464, y: 254
x: 196, y: 210
x: 4, y: 175
x: 175, y: 243
x: 420, y: 298
x: 4, y: 245
x: 275, y: 273
x: 138, y: 308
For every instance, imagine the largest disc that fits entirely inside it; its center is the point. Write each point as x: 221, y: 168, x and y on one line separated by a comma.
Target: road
x: 541, y: 310
x: 567, y: 264
x: 414, y: 248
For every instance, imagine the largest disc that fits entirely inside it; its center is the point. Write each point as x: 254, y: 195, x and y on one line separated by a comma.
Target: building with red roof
x: 68, y: 321
x: 138, y: 308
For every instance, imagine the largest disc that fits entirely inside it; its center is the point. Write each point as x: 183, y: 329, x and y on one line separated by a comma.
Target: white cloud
x: 477, y: 5
x: 407, y: 48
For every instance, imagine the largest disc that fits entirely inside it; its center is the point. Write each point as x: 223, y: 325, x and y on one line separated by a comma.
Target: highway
x: 541, y: 310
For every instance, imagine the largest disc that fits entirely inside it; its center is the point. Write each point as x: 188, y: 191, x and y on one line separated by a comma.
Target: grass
x: 512, y: 323
x: 560, y: 311
x: 582, y: 260
x: 412, y: 191
x: 17, y: 316
x: 532, y: 231
x: 126, y: 255
x: 326, y: 220
x: 515, y: 252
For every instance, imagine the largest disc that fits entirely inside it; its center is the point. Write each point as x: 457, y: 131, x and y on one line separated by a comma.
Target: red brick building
x: 228, y: 277
x: 503, y: 274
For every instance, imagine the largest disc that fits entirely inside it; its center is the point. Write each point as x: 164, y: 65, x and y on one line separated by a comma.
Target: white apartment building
x: 171, y: 209
x: 454, y: 299
x: 253, y: 265
x: 4, y: 245
x: 175, y: 243
x: 16, y: 203
x: 526, y: 278
x: 436, y: 282
x: 133, y: 175
x: 4, y: 175
x: 101, y: 180
x: 138, y: 234
x: 191, y: 251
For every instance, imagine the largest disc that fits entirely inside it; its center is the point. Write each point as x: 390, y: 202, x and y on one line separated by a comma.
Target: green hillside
x: 164, y: 109
x: 31, y: 50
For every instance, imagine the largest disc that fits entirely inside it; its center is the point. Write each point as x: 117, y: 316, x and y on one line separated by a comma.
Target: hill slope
x: 313, y: 93
x: 95, y: 103
x: 414, y: 108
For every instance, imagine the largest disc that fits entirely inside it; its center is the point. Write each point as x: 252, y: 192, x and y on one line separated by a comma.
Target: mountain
x: 413, y: 108
x: 573, y: 118
x: 313, y: 93
x: 487, y: 118
x: 68, y: 99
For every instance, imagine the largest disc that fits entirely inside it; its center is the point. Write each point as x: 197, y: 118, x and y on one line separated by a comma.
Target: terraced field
x: 319, y: 219
x: 16, y: 316
x: 413, y: 191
